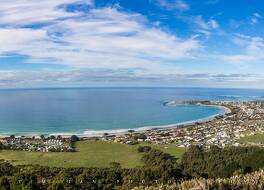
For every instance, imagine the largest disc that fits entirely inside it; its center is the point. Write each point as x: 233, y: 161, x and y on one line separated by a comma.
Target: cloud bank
x: 106, y: 38
x: 83, y: 78
x: 109, y: 44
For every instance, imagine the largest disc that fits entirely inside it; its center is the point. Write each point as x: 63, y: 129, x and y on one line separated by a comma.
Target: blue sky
x: 201, y: 43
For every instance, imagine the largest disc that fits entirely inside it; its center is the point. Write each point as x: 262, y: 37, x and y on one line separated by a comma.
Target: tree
x: 56, y: 185
x: 42, y: 137
x: 24, y: 181
x: 4, y: 183
x: 12, y: 136
x: 59, y: 137
x: 74, y: 138
x: 144, y: 149
x: 5, y: 168
x: 52, y: 137
x: 131, y: 131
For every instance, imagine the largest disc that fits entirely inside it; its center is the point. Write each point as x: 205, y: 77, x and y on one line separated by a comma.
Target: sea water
x: 97, y: 110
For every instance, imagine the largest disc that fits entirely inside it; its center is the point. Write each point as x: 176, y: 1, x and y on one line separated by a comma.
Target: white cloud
x: 173, y: 4
x: 213, y: 1
x: 254, y: 51
x: 213, y: 24
x: 100, y: 38
x: 203, y: 26
x: 17, y: 40
x: 21, y: 12
x: 180, y: 4
x: 255, y: 18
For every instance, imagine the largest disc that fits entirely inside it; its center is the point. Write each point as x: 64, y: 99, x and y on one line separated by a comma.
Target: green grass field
x: 89, y: 154
x: 257, y: 138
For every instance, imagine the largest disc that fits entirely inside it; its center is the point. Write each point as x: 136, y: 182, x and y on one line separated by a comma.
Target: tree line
x: 159, y: 168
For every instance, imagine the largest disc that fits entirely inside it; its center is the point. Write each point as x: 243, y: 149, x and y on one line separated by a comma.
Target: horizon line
x: 126, y: 87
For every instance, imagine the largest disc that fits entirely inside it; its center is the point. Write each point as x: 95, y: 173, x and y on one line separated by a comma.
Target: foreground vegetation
x: 251, y: 181
x: 215, y: 165
x: 89, y: 154
x: 218, y: 162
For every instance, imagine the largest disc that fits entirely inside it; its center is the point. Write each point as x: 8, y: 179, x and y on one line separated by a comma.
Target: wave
x: 92, y: 133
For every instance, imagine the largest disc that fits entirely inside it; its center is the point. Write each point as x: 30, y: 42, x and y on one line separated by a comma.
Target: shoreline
x: 100, y: 133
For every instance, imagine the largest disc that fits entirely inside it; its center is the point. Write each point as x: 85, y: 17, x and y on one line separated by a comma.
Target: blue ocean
x: 93, y: 110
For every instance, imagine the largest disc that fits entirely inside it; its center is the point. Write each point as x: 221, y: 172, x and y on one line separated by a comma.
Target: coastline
x: 100, y: 133
x: 96, y: 133
x: 225, y: 110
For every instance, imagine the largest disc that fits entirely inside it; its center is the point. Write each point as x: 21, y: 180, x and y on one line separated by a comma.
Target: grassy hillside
x: 90, y: 154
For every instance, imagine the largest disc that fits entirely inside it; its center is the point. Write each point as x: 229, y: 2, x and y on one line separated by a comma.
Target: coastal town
x: 240, y: 119
x: 34, y: 144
